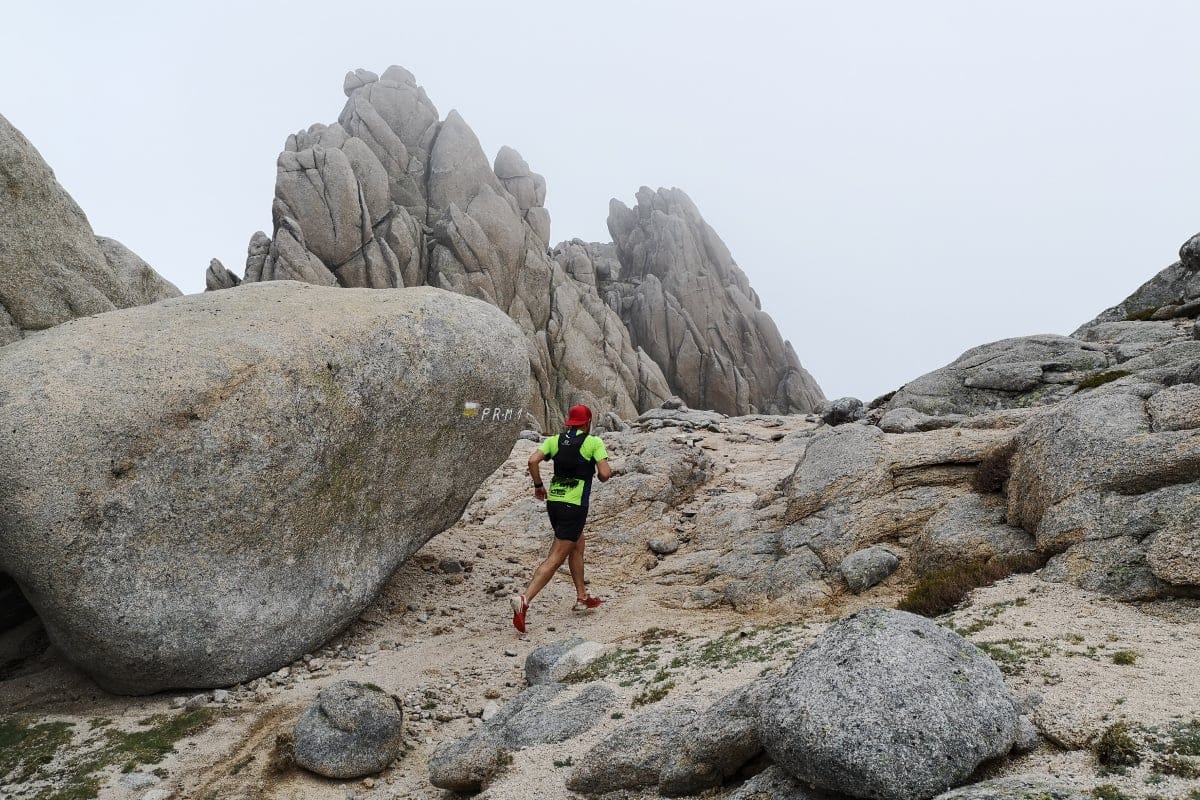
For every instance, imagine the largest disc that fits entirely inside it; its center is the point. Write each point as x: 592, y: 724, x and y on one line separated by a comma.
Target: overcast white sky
x: 901, y: 181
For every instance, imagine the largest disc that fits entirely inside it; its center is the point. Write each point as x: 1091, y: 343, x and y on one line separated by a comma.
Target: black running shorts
x: 566, y: 519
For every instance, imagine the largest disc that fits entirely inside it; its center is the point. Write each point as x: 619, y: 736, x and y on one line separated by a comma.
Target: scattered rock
x: 544, y: 714
x: 774, y: 783
x: 841, y: 411
x: 865, y: 568
x: 634, y: 756
x: 1028, y: 736
x: 138, y: 780
x: 663, y: 545
x: 351, y: 730
x: 553, y: 662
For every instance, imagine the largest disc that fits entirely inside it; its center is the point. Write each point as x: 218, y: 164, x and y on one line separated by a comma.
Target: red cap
x: 579, y: 416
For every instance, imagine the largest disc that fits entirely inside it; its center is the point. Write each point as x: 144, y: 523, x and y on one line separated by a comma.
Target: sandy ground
x: 439, y: 640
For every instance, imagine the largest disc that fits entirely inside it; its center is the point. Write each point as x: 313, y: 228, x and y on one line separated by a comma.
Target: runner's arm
x: 603, y: 470
x: 535, y: 472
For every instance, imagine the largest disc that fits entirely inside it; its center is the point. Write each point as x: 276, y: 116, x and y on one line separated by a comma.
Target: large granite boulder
x: 890, y: 706
x: 690, y: 307
x: 197, y: 492
x: 52, y: 267
x: 351, y: 730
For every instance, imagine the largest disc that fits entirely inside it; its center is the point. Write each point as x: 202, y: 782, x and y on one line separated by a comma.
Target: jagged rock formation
x: 196, y: 492
x: 391, y: 196
x: 691, y: 308
x: 52, y: 266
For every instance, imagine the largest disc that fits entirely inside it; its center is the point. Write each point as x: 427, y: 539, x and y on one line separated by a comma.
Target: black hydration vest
x: 568, y: 463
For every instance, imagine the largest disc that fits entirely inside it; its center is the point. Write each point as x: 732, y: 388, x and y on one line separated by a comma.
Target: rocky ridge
x: 53, y: 268
x: 392, y: 196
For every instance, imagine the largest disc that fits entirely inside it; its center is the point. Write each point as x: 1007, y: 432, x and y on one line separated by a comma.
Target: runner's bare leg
x: 575, y: 562
x: 559, y: 552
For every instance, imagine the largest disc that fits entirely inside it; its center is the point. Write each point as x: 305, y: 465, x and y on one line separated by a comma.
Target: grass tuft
x: 1125, y: 657
x: 652, y: 694
x: 1117, y: 748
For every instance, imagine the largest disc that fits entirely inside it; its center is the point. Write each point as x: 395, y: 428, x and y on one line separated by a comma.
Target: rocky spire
x: 391, y: 195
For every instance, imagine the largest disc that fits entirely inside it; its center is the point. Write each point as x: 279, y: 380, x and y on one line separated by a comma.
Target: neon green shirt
x: 575, y: 492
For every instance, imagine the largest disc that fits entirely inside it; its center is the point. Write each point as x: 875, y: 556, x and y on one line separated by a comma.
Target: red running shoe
x: 519, y: 607
x: 586, y: 603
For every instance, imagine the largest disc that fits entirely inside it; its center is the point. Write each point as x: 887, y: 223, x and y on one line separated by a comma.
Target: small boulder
x: 679, y: 750
x: 890, y: 706
x: 842, y: 410
x: 634, y: 756
x: 553, y: 662
x: 544, y: 714
x: 716, y: 744
x: 351, y: 730
x: 865, y: 568
x: 774, y: 783
x: 663, y: 545
x: 1029, y: 738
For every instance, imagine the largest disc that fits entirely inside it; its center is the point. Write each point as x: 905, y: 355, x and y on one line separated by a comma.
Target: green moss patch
x: 1101, y: 378
x: 46, y: 754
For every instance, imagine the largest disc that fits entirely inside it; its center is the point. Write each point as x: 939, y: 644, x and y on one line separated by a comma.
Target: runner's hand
x: 539, y: 492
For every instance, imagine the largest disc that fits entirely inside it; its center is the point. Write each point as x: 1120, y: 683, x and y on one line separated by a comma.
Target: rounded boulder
x: 350, y: 731
x: 890, y: 706
x: 198, y: 492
